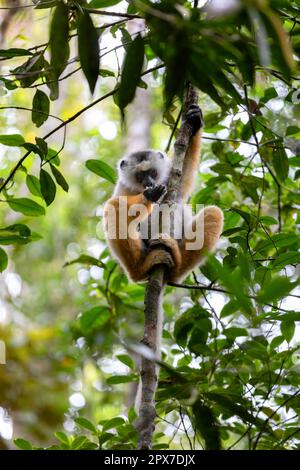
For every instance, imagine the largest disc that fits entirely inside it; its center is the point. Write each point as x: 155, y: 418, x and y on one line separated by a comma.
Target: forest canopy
x: 82, y: 83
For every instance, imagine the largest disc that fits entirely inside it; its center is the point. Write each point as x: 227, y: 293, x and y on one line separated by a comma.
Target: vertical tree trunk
x: 154, y: 294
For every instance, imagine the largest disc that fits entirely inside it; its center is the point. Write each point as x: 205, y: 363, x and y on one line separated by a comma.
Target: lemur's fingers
x: 194, y: 118
x: 155, y: 193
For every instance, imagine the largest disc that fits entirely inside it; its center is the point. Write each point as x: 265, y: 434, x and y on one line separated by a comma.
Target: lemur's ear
x: 161, y: 155
x: 123, y: 163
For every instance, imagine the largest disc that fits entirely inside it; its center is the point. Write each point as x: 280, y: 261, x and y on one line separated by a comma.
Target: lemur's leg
x: 207, y: 226
x: 128, y: 246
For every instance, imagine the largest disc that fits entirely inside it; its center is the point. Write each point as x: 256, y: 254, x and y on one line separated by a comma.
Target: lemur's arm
x: 191, y: 162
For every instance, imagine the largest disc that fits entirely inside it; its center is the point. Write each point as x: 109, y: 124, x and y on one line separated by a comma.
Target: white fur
x: 127, y: 172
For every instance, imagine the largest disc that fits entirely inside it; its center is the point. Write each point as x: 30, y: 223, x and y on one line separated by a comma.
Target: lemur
x: 142, y: 177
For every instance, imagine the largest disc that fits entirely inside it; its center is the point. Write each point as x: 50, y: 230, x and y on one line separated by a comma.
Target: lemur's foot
x: 194, y: 118
x: 168, y: 243
x: 156, y: 257
x: 155, y: 193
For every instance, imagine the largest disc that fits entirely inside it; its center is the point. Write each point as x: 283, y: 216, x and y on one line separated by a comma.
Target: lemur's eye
x: 123, y: 164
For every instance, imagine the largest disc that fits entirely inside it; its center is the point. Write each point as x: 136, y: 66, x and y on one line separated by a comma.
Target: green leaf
x: 106, y: 73
x: 292, y: 257
x: 46, y: 4
x: 59, y: 37
x: 14, y: 52
x: 34, y: 186
x: 42, y: 145
x: 59, y: 178
x: 205, y: 422
x: 120, y: 379
x: 277, y: 288
x: 102, y: 169
x: 48, y: 188
x: 288, y: 330
x: 281, y: 164
x: 40, y: 108
x: 12, y: 140
x: 85, y: 423
x: 127, y: 360
x: 23, y: 444
x: 88, y: 49
x: 62, y: 437
x: 3, y: 260
x: 113, y: 423
x: 86, y: 259
x: 234, y: 332
x: 103, y: 3
x: 26, y: 206
x: 131, y: 73
x: 94, y: 318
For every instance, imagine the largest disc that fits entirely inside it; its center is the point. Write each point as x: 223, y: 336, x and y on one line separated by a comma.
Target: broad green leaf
x: 131, y: 72
x: 103, y: 3
x: 234, y: 332
x: 12, y: 140
x: 21, y: 229
x: 40, y: 108
x: 14, y: 52
x: 277, y: 288
x: 42, y: 145
x: 235, y: 408
x: 106, y: 73
x: 88, y: 49
x: 231, y: 307
x: 62, y: 437
x: 46, y: 4
x: 207, y: 425
x: 86, y: 259
x: 85, y: 423
x: 59, y: 39
x: 127, y: 360
x: 48, y: 188
x: 113, y: 423
x: 59, y: 178
x: 94, y: 318
x: 3, y: 260
x: 34, y: 186
x: 31, y: 70
x: 288, y: 330
x: 79, y: 443
x: 102, y: 169
x: 26, y: 206
x: 120, y: 379
x: 281, y: 164
x: 23, y: 444
x: 292, y: 257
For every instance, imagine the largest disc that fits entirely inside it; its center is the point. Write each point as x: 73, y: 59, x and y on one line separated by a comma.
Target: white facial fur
x: 131, y: 164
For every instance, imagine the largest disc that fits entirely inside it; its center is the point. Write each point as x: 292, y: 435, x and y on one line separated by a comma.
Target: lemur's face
x: 141, y: 170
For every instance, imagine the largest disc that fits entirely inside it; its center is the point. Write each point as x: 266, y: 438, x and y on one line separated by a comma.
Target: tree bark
x: 154, y: 293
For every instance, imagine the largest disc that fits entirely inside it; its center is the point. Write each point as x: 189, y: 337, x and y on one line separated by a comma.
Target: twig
x: 111, y: 13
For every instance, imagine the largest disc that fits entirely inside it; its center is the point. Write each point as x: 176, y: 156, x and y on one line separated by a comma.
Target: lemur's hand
x: 155, y: 193
x: 194, y: 118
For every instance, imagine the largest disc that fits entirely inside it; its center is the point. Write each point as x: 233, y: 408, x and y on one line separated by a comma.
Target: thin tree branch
x: 94, y: 11
x: 154, y: 292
